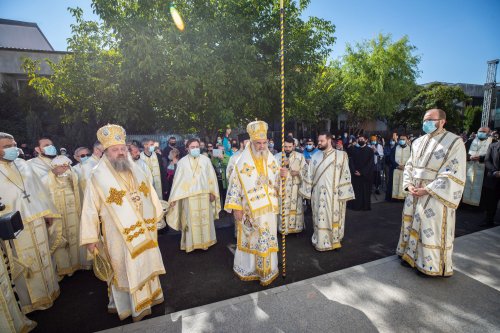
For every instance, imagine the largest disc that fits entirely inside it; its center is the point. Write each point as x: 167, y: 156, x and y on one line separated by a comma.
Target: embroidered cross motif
x: 457, y: 195
x: 144, y: 189
x: 417, y: 218
x: 247, y: 169
x: 274, y: 167
x: 439, y: 154
x: 429, y: 212
x: 428, y: 232
x: 115, y: 196
x: 441, y: 183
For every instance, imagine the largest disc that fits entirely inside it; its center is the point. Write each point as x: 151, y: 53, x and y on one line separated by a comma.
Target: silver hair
x: 79, y: 149
x: 4, y: 135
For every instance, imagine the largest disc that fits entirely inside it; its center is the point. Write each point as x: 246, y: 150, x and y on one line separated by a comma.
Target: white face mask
x: 195, y: 152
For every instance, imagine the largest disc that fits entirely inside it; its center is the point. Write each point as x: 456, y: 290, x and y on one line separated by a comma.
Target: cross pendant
x: 26, y: 196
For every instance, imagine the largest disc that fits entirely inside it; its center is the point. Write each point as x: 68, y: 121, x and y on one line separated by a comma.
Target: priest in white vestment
x: 194, y: 200
x: 64, y: 233
x: 329, y: 187
x: 155, y: 165
x: 434, y: 177
x: 12, y: 320
x: 135, y: 154
x: 21, y: 190
x: 402, y: 153
x: 81, y: 155
x: 476, y: 167
x: 119, y: 216
x: 90, y: 164
x: 252, y: 197
x: 41, y: 164
x: 294, y: 172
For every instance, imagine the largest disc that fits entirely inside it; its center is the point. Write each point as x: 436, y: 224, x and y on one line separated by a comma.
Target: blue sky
x: 455, y: 38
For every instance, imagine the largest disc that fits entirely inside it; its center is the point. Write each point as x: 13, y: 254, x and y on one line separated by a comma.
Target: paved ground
x: 380, y: 296
x: 201, y: 278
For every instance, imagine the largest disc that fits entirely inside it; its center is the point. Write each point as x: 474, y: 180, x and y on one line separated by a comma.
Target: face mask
x: 271, y: 145
x: 172, y: 144
x: 83, y: 159
x: 429, y: 126
x: 392, y: 143
x: 235, y: 145
x: 402, y: 142
x: 151, y: 149
x: 287, y: 154
x: 357, y: 145
x: 219, y: 141
x: 482, y: 135
x: 195, y: 152
x: 309, y: 147
x: 374, y: 143
x: 361, y: 143
x: 11, y: 153
x: 50, y: 150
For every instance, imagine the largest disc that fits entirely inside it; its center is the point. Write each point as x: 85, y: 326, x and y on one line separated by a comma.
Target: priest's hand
x: 91, y: 247
x: 212, y: 197
x: 238, y: 215
x: 283, y: 172
x: 420, y: 192
x: 59, y: 170
x: 294, y: 173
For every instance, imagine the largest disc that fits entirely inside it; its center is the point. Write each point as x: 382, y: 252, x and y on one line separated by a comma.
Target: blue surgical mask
x: 50, y: 150
x: 357, y: 145
x: 271, y: 145
x: 195, y: 152
x: 429, y: 126
x: 392, y: 143
x: 151, y: 149
x: 83, y: 159
x: 310, y: 147
x: 11, y: 153
x: 374, y: 143
x: 402, y: 142
x: 482, y: 135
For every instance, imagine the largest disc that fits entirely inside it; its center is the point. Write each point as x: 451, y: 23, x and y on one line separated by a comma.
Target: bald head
x: 436, y: 115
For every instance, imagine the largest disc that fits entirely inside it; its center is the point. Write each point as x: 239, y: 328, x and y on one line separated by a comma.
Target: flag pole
x: 283, y: 179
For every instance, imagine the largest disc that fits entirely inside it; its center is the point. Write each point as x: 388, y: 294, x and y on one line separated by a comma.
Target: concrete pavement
x: 377, y: 296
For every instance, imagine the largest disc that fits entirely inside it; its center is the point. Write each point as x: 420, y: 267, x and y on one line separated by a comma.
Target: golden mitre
x: 111, y: 135
x: 257, y: 130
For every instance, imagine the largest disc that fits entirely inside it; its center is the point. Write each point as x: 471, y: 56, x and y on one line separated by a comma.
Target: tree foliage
x: 137, y: 69
x: 378, y: 74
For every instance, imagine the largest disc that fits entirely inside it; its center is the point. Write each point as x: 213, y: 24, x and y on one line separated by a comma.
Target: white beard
x: 259, y: 154
x: 121, y: 165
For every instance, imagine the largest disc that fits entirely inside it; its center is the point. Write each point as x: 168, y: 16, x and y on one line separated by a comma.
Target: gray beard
x: 121, y: 165
x: 258, y: 154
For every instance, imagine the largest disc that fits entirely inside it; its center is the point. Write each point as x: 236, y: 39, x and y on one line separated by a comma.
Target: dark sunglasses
x: 83, y: 155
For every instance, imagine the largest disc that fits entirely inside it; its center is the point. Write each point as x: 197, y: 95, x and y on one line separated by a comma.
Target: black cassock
x: 361, y: 159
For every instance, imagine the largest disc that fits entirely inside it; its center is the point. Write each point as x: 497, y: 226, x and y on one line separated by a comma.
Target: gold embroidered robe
x: 123, y: 218
x: 437, y: 163
x: 252, y: 189
x: 329, y: 187
x: 193, y: 213
x: 32, y: 269
x: 294, y: 208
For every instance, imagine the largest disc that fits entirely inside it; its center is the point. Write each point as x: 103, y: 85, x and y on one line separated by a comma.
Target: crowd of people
x: 103, y: 208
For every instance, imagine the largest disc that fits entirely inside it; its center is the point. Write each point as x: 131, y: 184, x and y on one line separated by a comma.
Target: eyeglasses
x: 83, y: 155
x: 432, y: 119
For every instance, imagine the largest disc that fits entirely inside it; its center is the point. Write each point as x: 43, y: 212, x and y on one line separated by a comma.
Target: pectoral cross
x: 26, y: 196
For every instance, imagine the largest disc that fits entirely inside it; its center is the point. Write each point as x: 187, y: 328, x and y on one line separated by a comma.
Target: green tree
x: 472, y: 118
x: 451, y: 99
x: 378, y: 75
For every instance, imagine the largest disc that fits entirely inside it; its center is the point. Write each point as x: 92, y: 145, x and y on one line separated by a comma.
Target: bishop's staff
x: 283, y: 179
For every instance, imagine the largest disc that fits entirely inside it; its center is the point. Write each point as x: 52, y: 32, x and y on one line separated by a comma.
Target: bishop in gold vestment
x: 252, y: 197
x: 119, y: 216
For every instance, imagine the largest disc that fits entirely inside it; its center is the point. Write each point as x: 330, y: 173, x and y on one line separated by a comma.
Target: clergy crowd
x: 105, y: 212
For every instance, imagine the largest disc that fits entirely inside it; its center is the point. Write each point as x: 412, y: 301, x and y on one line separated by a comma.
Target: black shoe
x: 422, y: 275
x: 405, y: 264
